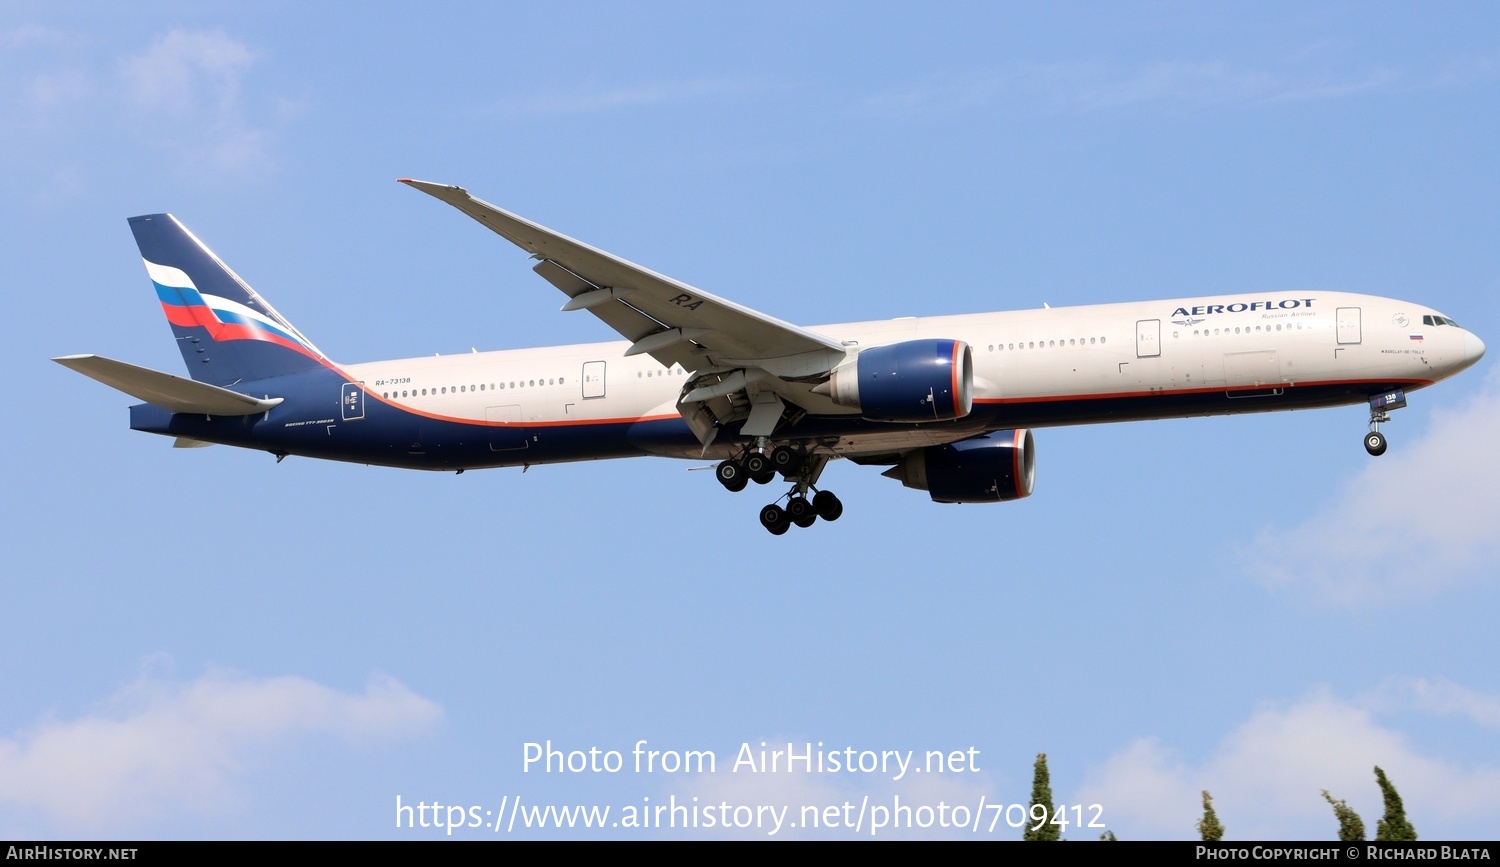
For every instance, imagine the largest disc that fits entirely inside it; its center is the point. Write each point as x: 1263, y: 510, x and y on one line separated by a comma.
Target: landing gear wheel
x: 732, y: 476
x: 785, y: 460
x: 828, y: 507
x: 764, y: 478
x: 801, y: 512
x: 757, y: 464
x: 774, y: 519
x: 1375, y: 443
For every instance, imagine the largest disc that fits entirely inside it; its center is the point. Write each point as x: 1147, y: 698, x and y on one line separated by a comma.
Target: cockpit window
x: 1439, y: 320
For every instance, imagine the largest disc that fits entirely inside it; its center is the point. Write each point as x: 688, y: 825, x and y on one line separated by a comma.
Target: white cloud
x: 1438, y: 697
x: 186, y: 87
x: 28, y: 36
x: 186, y: 69
x: 160, y: 746
x: 1424, y: 516
x: 1216, y: 82
x: 1266, y: 777
x: 185, y: 98
x: 48, y: 91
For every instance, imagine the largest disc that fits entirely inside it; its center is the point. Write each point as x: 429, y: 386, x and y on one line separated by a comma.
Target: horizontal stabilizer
x: 171, y: 393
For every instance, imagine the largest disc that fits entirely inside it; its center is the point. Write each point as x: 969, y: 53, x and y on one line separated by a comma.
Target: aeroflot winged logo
x: 1242, y: 307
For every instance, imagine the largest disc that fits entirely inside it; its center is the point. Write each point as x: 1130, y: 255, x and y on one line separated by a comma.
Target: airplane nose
x: 1473, y: 348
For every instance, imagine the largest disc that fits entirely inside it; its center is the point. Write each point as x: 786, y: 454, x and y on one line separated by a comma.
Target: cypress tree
x: 1351, y: 827
x: 1041, y: 793
x: 1209, y: 827
x: 1393, y: 825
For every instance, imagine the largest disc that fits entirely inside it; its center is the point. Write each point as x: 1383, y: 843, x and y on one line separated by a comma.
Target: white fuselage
x: 1263, y: 345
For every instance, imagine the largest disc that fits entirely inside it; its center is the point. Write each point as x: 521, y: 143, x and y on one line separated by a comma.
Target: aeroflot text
x: 1242, y: 306
x: 765, y: 758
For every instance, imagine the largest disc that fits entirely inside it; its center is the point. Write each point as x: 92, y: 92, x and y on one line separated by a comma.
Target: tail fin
x: 227, y: 333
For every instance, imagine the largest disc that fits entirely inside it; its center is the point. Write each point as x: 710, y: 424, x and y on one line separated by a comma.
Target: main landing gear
x: 756, y: 465
x: 1375, y: 442
x: 801, y: 511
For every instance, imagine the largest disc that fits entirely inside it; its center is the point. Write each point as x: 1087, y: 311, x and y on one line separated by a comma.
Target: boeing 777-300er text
x: 946, y: 403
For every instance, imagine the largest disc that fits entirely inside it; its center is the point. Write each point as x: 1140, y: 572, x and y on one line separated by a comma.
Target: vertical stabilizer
x: 227, y: 333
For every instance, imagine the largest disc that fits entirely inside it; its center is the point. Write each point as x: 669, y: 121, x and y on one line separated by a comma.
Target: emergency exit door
x: 593, y: 379
x: 1148, y: 338
x: 1349, y: 326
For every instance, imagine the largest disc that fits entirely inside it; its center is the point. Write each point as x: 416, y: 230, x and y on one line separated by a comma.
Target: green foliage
x: 1351, y: 827
x: 1393, y: 825
x: 1109, y: 837
x: 1209, y: 828
x: 1041, y: 793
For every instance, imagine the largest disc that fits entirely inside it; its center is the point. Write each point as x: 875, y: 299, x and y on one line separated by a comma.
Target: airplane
x: 946, y: 403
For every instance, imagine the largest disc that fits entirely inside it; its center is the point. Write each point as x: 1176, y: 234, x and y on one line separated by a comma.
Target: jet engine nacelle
x: 988, y: 468
x: 918, y: 380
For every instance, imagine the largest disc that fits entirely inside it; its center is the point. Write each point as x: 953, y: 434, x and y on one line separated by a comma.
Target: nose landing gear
x: 1380, y: 405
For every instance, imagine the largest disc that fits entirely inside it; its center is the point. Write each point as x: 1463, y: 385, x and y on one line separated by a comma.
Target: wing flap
x: 171, y: 393
x: 627, y: 321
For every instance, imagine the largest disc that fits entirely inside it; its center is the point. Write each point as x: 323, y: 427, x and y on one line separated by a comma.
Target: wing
x: 747, y: 362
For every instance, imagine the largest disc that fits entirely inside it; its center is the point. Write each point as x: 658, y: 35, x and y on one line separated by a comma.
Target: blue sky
x: 206, y: 644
